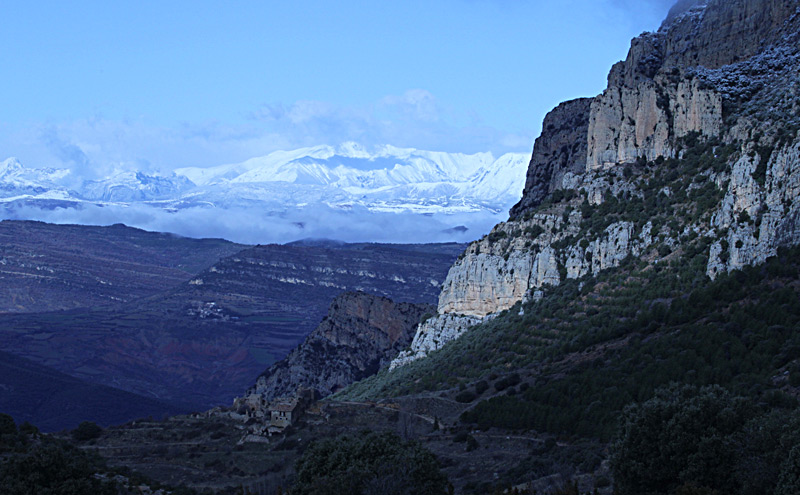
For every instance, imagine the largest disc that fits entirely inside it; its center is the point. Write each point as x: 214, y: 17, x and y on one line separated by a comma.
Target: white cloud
x: 413, y: 119
x: 99, y: 147
x: 414, y: 104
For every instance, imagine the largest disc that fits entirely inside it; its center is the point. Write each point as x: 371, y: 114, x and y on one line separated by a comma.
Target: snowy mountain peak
x: 10, y: 165
x: 16, y: 179
x: 135, y: 186
x: 348, y: 165
x: 352, y: 150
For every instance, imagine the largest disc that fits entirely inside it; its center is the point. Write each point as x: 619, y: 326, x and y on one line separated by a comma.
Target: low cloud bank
x: 251, y: 226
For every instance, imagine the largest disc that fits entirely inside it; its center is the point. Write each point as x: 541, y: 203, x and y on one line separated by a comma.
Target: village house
x: 282, y: 412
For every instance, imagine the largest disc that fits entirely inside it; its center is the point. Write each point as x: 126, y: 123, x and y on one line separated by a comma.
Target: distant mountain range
x: 384, y: 179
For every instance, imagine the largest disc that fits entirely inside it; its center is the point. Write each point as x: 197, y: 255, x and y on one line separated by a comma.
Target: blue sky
x: 159, y: 85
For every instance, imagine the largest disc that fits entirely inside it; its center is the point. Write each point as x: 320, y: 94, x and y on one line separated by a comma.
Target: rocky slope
x: 360, y: 334
x: 696, y: 136
x: 560, y: 149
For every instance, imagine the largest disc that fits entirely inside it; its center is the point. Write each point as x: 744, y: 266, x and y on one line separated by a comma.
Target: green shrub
x: 764, y: 155
x: 534, y: 231
x: 794, y: 378
x: 496, y: 235
x: 28, y: 429
x: 506, y: 382
x: 744, y: 217
x: 466, y: 396
x: 86, y: 431
x: 52, y: 469
x: 789, y: 481
x: 461, y: 436
x: 7, y: 425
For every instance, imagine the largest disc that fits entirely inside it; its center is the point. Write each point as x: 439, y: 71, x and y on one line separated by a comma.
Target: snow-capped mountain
x: 135, y: 186
x: 387, y: 178
x: 17, y: 180
x: 349, y: 165
x: 289, y: 185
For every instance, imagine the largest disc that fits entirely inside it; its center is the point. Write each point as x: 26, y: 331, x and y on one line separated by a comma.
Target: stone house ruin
x: 282, y: 412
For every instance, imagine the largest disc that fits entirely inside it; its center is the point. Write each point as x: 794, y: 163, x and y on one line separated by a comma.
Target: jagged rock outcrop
x: 714, y: 33
x: 753, y: 219
x: 513, y: 263
x: 483, y: 283
x: 432, y: 334
x: 619, y: 241
x: 498, y: 270
x: 650, y: 102
x: 361, y: 333
x: 715, y: 94
x: 560, y: 149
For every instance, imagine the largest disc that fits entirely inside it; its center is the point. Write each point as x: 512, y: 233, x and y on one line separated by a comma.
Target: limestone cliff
x: 753, y: 219
x: 432, y: 334
x: 361, y: 333
x: 693, y: 145
x: 626, y: 123
x: 715, y: 33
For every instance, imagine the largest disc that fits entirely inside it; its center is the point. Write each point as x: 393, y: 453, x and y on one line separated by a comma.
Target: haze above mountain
x: 348, y: 193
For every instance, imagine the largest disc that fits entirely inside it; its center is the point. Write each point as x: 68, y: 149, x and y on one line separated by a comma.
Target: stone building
x: 282, y: 412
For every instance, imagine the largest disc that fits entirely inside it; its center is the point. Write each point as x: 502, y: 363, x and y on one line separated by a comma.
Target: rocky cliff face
x: 755, y: 219
x: 714, y: 33
x: 626, y: 123
x: 496, y: 274
x: 559, y: 150
x: 693, y: 145
x: 432, y: 334
x: 361, y: 333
